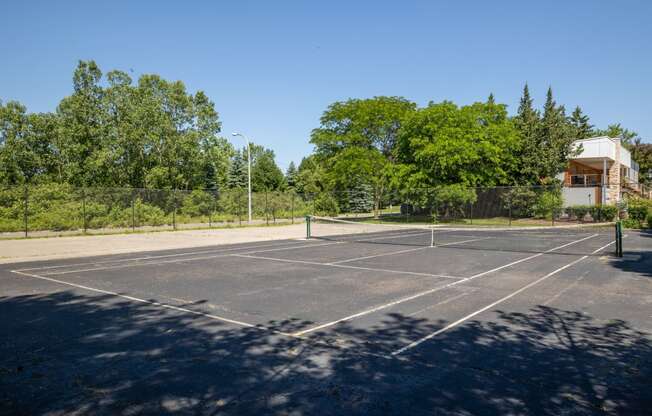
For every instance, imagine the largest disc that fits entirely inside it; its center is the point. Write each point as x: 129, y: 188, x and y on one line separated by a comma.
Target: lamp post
x: 248, y: 172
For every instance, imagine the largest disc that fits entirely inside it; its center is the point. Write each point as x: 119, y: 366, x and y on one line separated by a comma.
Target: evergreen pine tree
x: 556, y: 139
x: 237, y: 177
x: 580, y: 122
x: 361, y: 198
x: 291, y: 175
x: 527, y: 121
x: 491, y: 99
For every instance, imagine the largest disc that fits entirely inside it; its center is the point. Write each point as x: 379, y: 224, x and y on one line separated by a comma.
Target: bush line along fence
x: 61, y: 208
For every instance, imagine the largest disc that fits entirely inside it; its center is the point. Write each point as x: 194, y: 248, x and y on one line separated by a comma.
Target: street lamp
x: 248, y: 170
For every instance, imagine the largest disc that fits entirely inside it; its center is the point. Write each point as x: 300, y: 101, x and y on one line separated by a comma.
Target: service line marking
x: 491, y: 305
x: 406, y: 251
x: 435, y: 289
x: 346, y: 266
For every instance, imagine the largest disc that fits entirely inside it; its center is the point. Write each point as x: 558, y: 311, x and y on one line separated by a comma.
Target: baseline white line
x: 346, y: 266
x: 435, y: 289
x: 190, y: 253
x: 215, y: 256
x: 153, y: 303
x: 491, y: 305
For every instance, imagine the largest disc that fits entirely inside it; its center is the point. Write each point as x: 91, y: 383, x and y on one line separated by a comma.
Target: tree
x: 443, y: 144
x: 368, y: 123
x: 291, y: 176
x: 580, y: 124
x: 237, y: 177
x: 642, y: 154
x: 311, y: 176
x: 527, y: 122
x: 265, y: 174
x: 556, y: 139
x: 356, y: 170
x: 617, y: 130
x: 547, y: 141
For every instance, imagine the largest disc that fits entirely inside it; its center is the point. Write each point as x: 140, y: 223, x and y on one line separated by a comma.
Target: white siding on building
x: 579, y: 196
x: 596, y: 148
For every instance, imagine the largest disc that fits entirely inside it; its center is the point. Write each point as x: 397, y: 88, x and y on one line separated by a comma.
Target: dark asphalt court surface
x: 531, y: 323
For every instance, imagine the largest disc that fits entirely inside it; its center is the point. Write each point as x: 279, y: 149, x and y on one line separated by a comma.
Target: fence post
x: 239, y: 208
x: 133, y: 210
x: 292, y: 207
x: 471, y: 216
x: 210, y: 212
x: 26, y: 207
x: 83, y: 191
x: 266, y: 209
x: 509, y: 207
x: 174, y: 209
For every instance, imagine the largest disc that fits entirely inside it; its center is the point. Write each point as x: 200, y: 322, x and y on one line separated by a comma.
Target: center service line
x: 491, y: 305
x: 435, y: 289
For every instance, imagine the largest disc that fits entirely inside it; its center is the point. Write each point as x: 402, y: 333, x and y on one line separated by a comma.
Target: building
x: 603, y: 172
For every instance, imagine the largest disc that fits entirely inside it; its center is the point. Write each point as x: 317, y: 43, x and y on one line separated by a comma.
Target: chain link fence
x: 57, y: 209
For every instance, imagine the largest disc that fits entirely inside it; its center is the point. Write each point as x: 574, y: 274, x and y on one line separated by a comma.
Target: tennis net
x: 576, y: 239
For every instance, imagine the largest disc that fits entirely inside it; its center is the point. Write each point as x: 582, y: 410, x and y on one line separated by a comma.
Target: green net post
x: 308, y: 219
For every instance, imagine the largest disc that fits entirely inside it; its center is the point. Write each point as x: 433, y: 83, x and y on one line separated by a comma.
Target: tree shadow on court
x: 87, y: 354
x: 637, y: 257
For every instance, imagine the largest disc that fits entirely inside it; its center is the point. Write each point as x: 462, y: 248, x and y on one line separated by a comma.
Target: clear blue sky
x: 272, y: 67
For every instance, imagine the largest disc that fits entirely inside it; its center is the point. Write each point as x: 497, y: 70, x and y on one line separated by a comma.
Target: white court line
x: 391, y: 253
x: 406, y: 251
x: 346, y: 266
x: 190, y: 253
x: 153, y: 303
x: 125, y: 265
x: 491, y: 305
x: 435, y: 289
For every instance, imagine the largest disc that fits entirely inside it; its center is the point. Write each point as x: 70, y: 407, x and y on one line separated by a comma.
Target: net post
x: 308, y: 235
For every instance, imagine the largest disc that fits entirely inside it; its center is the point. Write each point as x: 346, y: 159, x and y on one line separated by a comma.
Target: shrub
x: 450, y: 200
x: 608, y: 212
x: 196, y: 204
x: 521, y: 200
x: 549, y: 203
x: 649, y: 220
x: 637, y: 212
x: 325, y: 204
x: 630, y: 223
x: 579, y: 211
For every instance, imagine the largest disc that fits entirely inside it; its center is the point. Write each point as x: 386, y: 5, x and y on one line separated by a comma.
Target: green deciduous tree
x: 443, y: 144
x: 368, y: 123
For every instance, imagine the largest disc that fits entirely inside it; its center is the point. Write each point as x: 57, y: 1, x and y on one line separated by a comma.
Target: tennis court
x: 392, y: 298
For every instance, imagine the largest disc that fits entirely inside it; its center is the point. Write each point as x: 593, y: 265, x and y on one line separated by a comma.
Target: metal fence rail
x: 59, y: 209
